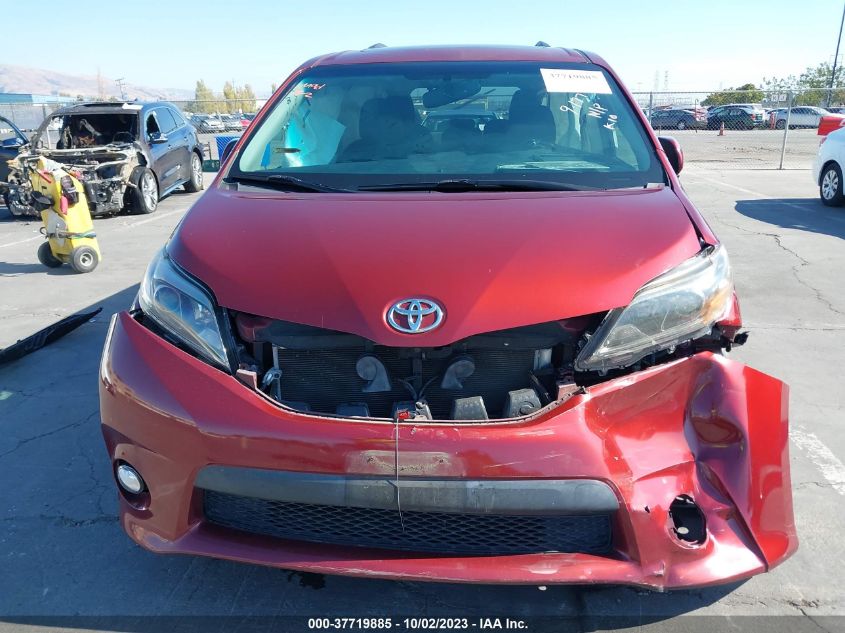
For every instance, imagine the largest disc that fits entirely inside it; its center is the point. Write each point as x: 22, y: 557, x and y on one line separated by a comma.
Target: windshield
x: 87, y: 129
x: 381, y: 124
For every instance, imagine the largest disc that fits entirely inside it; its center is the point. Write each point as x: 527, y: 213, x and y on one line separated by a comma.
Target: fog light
x: 129, y: 479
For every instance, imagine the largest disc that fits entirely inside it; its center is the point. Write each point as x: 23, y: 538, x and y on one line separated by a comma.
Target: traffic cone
x: 722, y: 129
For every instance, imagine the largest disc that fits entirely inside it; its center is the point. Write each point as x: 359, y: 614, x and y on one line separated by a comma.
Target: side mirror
x: 228, y: 150
x: 12, y: 143
x: 673, y: 152
x: 157, y: 137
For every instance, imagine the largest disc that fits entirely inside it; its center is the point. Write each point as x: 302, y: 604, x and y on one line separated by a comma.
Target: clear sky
x: 702, y: 44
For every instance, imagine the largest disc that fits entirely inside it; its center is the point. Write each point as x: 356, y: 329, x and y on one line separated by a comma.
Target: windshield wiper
x: 285, y: 183
x: 457, y: 186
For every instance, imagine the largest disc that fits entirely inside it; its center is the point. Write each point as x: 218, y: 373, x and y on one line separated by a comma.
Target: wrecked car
x: 126, y: 155
x: 11, y: 140
x: 494, y: 356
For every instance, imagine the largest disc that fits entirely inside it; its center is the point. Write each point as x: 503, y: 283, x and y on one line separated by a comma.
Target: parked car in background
x: 828, y: 166
x: 675, y: 119
x: 493, y: 357
x: 208, y: 123
x: 439, y: 120
x: 736, y: 116
x: 246, y: 119
x: 800, y: 117
x: 232, y: 122
x: 458, y: 126
x: 126, y: 155
x: 836, y: 109
x: 11, y: 140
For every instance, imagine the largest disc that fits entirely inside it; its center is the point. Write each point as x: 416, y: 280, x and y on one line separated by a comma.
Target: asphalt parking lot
x: 63, y: 554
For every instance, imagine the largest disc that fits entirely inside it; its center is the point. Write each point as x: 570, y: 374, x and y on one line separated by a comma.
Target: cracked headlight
x: 183, y: 308
x: 680, y: 305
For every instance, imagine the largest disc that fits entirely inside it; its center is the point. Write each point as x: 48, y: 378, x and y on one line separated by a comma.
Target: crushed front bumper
x: 705, y: 427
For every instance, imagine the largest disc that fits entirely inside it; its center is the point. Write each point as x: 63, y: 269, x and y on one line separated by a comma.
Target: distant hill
x: 47, y: 82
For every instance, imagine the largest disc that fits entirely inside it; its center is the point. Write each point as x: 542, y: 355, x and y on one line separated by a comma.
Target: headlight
x: 679, y: 305
x: 183, y: 308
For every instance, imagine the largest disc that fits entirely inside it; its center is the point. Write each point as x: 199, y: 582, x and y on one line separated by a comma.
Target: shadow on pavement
x: 66, y: 562
x: 13, y: 269
x: 806, y: 214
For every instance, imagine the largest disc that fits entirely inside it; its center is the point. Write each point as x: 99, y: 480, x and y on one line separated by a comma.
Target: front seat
x: 388, y: 127
x: 528, y: 121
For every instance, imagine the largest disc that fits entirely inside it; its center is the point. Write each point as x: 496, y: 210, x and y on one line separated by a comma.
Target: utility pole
x: 835, y: 58
x: 120, y: 83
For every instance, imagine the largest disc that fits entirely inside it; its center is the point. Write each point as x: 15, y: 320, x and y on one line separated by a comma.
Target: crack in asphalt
x: 40, y: 436
x: 803, y: 262
x: 64, y: 521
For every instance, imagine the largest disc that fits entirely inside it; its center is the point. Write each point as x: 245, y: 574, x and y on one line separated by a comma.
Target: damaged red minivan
x: 486, y: 348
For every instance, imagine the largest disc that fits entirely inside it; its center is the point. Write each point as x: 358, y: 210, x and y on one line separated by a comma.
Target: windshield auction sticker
x: 586, y: 81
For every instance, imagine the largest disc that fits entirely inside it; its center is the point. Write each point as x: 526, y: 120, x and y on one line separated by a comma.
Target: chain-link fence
x: 748, y: 129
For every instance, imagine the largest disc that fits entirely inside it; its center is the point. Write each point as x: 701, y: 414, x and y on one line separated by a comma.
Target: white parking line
x: 831, y: 468
x: 810, y: 203
x: 153, y: 218
x: 29, y: 239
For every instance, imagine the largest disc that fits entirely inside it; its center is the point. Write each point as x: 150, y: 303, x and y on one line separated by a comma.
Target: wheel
x: 145, y: 192
x: 46, y: 257
x: 84, y: 259
x: 682, y: 125
x: 780, y: 124
x: 830, y: 186
x: 195, y: 183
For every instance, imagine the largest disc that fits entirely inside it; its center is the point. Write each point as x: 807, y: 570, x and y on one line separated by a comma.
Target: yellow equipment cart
x: 67, y: 221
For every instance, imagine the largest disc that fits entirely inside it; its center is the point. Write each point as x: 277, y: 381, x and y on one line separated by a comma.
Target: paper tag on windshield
x: 585, y: 81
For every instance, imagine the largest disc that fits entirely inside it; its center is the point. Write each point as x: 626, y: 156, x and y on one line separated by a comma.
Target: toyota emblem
x: 414, y: 316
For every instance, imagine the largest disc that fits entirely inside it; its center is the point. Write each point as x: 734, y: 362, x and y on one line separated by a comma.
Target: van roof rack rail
x: 542, y: 44
x: 378, y: 45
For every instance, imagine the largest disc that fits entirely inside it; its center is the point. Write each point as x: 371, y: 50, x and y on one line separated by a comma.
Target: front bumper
x: 705, y: 427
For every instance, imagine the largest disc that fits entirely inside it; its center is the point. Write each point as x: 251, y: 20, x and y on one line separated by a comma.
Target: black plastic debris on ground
x: 46, y: 336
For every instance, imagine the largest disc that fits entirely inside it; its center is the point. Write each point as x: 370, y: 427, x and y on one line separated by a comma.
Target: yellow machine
x: 61, y: 200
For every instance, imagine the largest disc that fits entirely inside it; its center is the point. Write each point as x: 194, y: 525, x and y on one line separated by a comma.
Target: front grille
x: 477, y: 534
x: 325, y: 379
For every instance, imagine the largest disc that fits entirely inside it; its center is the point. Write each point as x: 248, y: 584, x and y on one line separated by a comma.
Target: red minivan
x: 494, y: 354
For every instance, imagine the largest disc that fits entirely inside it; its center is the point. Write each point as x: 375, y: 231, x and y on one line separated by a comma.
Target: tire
x: 84, y: 259
x: 194, y: 183
x: 144, y: 197
x: 46, y: 257
x: 780, y: 124
x: 830, y: 186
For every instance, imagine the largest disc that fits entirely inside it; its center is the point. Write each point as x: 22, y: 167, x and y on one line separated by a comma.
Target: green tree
x: 230, y: 94
x: 246, y: 98
x: 204, y: 100
x: 811, y: 86
x: 746, y: 93
x: 273, y: 88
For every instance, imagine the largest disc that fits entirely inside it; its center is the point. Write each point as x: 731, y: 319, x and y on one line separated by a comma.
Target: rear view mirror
x: 673, y: 152
x: 228, y: 150
x: 157, y: 137
x: 451, y: 92
x: 12, y: 143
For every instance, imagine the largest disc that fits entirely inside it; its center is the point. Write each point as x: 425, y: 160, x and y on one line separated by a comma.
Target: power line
x: 835, y: 58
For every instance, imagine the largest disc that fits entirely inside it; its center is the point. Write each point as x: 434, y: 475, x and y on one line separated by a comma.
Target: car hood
x: 492, y: 261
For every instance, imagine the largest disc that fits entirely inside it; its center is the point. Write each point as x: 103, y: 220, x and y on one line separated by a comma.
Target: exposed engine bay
x: 99, y: 150
x: 507, y: 374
